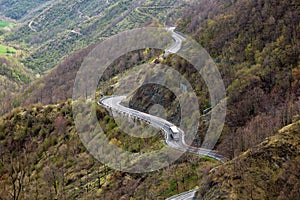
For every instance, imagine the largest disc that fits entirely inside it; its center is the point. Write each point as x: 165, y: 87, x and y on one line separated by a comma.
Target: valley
x: 255, y: 46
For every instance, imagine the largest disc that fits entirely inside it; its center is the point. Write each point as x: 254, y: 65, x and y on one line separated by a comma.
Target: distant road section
x: 176, y: 46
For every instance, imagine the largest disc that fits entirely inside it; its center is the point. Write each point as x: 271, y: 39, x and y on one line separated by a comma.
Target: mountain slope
x: 57, y: 86
x: 62, y: 27
x: 16, y: 9
x: 41, y: 154
x: 13, y: 76
x: 46, y: 32
x: 267, y: 171
x: 256, y: 46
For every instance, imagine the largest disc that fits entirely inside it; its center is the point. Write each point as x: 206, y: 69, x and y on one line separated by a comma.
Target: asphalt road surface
x: 113, y: 103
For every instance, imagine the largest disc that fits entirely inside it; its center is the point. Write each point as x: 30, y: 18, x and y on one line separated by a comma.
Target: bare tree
x: 16, y: 173
x: 53, y: 177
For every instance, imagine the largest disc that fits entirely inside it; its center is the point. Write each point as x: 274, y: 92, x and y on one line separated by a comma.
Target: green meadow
x: 4, y: 24
x: 6, y: 50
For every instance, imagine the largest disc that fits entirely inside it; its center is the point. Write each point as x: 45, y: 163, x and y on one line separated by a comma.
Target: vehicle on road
x: 174, y: 133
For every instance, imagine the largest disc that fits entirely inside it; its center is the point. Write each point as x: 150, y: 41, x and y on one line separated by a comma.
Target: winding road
x: 113, y: 103
x: 174, y: 48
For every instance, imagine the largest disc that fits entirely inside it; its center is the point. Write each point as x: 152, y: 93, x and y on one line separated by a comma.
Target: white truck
x: 174, y: 133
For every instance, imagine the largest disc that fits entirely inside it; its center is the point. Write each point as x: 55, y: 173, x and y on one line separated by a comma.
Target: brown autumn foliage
x: 256, y: 47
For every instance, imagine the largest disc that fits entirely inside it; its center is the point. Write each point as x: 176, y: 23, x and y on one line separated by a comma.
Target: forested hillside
x: 59, y: 28
x: 42, y: 157
x: 256, y: 46
x: 254, y: 43
x: 42, y: 34
x: 57, y: 85
x: 260, y: 72
x: 13, y: 75
x: 16, y: 9
x: 267, y: 171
